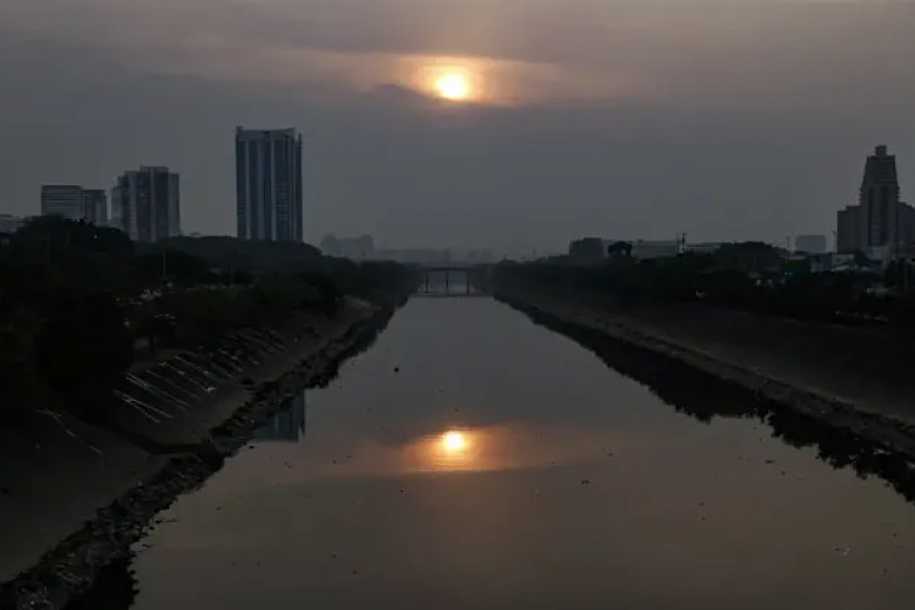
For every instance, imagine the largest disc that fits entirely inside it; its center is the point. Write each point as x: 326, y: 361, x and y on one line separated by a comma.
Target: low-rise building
x: 811, y: 244
x: 64, y: 200
x: 9, y: 224
x: 588, y: 249
x: 644, y: 249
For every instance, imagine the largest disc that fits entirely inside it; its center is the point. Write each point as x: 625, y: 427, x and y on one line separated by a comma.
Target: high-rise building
x: 95, y: 206
x: 268, y: 170
x: 146, y: 204
x: 880, y: 224
x: 64, y: 200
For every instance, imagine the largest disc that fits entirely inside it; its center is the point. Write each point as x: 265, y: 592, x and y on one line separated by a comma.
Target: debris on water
x: 5, y: 491
x: 287, y: 464
x: 701, y: 503
x: 396, y: 369
x: 333, y: 555
x: 333, y: 461
x: 782, y: 472
x: 355, y: 572
x: 402, y: 490
x: 250, y: 446
x: 586, y: 481
x: 842, y: 550
x: 770, y: 461
x: 219, y: 508
x: 609, y: 454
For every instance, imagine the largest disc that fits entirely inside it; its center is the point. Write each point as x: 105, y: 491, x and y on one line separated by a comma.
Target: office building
x: 73, y: 202
x: 268, y: 169
x: 146, y: 204
x: 880, y: 225
x: 64, y: 200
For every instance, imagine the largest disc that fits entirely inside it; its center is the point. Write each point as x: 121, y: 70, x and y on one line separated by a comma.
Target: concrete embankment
x: 817, y: 371
x: 111, y: 482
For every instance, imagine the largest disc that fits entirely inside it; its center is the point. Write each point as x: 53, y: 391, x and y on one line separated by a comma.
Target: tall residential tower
x: 146, y: 204
x: 268, y: 172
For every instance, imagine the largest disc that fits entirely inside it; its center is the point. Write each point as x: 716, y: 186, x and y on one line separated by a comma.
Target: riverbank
x: 65, y: 470
x: 797, y: 365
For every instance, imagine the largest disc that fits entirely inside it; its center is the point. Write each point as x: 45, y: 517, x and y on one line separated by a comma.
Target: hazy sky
x: 725, y: 120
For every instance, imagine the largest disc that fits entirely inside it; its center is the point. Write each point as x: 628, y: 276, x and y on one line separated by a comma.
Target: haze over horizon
x: 725, y: 120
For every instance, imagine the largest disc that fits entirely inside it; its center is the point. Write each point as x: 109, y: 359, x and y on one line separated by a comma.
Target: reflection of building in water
x: 287, y: 425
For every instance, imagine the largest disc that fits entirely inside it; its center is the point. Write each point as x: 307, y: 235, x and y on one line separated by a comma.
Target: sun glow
x: 453, y: 86
x: 454, y: 442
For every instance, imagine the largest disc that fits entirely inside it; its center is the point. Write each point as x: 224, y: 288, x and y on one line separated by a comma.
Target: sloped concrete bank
x: 68, y: 570
x: 641, y: 353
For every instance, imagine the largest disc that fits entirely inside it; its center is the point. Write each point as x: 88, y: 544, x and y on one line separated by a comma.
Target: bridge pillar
x: 447, y: 281
x: 467, y: 275
x: 426, y: 274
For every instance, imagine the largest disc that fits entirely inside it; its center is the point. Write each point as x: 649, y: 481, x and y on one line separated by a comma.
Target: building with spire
x: 880, y: 225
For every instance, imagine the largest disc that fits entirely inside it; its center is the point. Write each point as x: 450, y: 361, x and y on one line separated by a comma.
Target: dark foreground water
x: 472, y: 459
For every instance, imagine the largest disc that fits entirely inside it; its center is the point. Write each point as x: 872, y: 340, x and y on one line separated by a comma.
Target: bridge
x: 472, y: 286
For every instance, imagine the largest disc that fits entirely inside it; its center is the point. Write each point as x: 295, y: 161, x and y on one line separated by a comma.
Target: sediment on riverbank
x: 162, y: 462
x: 740, y: 349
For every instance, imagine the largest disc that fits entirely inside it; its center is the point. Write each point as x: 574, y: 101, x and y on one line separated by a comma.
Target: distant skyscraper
x: 95, y: 206
x: 268, y: 170
x: 146, y: 204
x: 880, y: 223
x: 64, y: 200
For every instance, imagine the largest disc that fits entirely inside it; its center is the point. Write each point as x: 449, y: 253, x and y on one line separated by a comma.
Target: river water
x: 473, y: 459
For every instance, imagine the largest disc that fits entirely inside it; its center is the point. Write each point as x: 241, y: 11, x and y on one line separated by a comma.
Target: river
x: 473, y: 459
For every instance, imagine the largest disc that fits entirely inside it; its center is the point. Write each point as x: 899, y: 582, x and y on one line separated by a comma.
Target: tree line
x: 76, y: 300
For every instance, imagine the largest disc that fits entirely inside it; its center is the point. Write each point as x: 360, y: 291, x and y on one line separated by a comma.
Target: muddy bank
x: 681, y: 374
x: 69, y: 569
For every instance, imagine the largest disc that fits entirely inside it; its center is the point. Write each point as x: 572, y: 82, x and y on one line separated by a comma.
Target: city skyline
x: 569, y: 121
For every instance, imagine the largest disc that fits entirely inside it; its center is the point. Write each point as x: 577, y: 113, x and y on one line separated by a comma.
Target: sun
x: 453, y: 86
x: 454, y: 441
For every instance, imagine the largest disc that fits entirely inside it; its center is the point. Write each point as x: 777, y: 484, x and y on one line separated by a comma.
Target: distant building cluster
x: 596, y: 249
x: 363, y: 248
x: 880, y: 226
x: 144, y: 203
x: 354, y: 248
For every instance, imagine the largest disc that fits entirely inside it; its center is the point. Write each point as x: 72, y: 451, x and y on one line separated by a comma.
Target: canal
x: 473, y: 459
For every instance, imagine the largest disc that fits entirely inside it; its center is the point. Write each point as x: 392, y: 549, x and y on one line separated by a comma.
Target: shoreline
x: 70, y: 567
x: 592, y: 328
